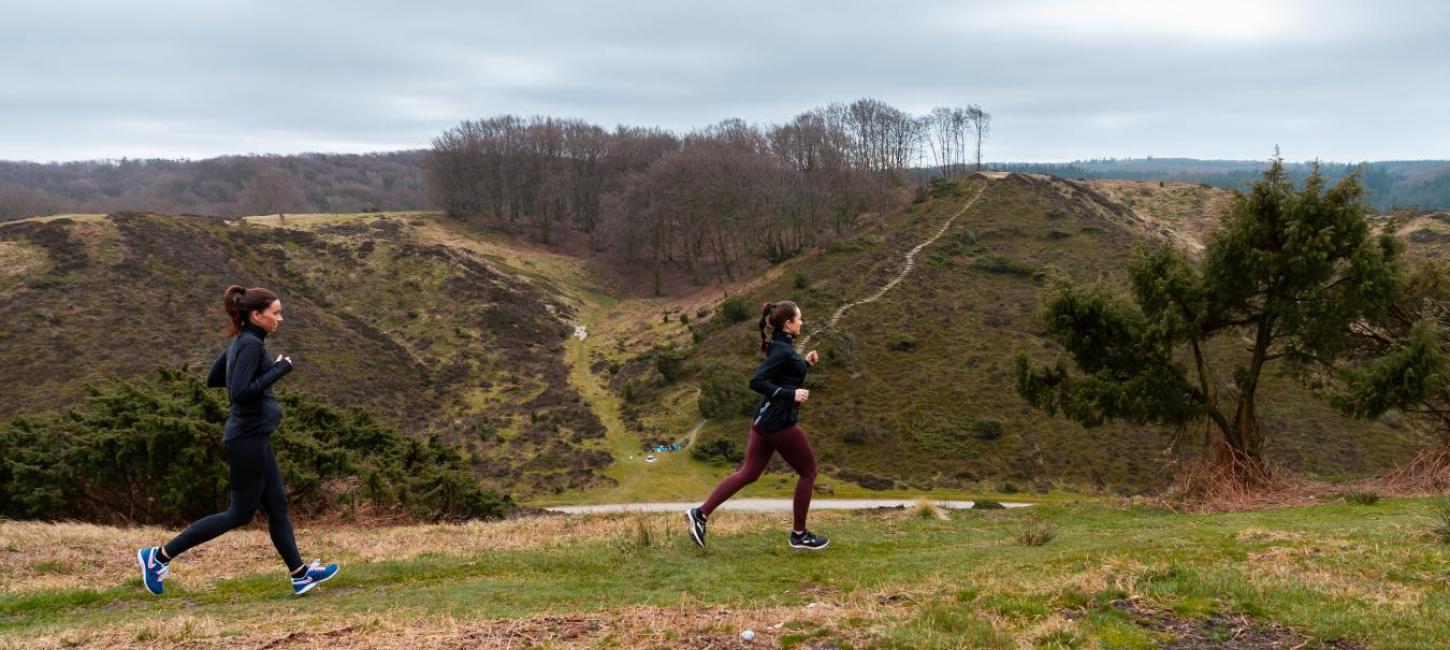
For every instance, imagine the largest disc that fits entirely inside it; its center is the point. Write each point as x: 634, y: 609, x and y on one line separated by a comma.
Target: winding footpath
x: 906, y: 269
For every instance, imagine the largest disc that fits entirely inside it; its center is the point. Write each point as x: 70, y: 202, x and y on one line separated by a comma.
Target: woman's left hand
x: 812, y: 357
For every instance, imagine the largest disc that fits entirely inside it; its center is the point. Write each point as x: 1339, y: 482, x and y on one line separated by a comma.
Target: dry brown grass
x: 1207, y: 486
x: 84, y: 555
x: 1427, y: 474
x: 1342, y: 566
x: 682, y: 626
x: 927, y: 509
x: 1300, y: 565
x: 1188, y: 212
x: 18, y: 259
x: 1218, y: 485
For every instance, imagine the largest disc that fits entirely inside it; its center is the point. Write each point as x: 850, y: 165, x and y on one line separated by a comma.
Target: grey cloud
x: 1342, y: 80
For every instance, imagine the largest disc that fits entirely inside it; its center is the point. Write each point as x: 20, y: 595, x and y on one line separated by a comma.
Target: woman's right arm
x: 244, y: 383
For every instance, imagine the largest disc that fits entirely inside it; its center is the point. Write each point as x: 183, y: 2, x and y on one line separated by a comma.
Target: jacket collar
x: 783, y: 336
x: 254, y: 330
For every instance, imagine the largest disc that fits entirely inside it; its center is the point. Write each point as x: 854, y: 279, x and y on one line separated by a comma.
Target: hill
x: 405, y: 315
x: 915, y: 391
x: 1389, y: 184
x: 556, y: 373
x: 1426, y: 231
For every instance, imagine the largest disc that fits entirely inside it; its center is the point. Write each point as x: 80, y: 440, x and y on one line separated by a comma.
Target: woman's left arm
x: 217, y: 378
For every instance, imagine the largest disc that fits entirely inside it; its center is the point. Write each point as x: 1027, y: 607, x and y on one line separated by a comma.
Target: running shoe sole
x: 694, y: 533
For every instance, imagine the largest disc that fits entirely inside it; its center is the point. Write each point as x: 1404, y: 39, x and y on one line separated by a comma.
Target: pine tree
x: 1287, y: 274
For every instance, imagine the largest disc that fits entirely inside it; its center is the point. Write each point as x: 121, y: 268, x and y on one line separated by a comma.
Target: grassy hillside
x: 1330, y: 576
x: 443, y: 329
x: 1426, y: 231
x: 1389, y: 184
x: 432, y: 328
x: 915, y: 390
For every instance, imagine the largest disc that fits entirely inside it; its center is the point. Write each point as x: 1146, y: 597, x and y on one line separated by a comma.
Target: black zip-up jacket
x: 777, y: 379
x: 248, y: 372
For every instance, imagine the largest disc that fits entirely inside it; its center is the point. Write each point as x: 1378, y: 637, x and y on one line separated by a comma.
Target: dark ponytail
x: 240, y: 302
x: 773, y: 317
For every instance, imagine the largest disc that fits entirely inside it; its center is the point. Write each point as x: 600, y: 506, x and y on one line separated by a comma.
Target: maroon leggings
x: 793, y: 446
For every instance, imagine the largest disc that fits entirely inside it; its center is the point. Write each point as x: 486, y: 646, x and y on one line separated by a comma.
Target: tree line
x: 713, y: 201
x: 225, y: 186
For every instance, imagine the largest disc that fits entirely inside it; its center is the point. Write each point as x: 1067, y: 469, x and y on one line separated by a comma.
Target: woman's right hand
x: 801, y: 395
x: 282, y: 357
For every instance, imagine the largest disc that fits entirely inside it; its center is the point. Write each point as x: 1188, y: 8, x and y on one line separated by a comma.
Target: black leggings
x: 254, y: 479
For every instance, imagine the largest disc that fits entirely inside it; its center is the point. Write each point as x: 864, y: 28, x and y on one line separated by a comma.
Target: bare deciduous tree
x: 981, y: 125
x: 713, y: 201
x: 272, y: 191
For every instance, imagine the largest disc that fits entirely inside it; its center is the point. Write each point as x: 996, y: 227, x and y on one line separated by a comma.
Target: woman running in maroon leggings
x: 774, y: 429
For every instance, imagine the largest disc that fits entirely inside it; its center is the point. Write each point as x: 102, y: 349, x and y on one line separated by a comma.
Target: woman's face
x: 268, y: 319
x: 793, y: 326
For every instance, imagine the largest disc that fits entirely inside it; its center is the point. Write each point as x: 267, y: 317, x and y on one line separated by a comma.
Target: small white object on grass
x: 747, y: 635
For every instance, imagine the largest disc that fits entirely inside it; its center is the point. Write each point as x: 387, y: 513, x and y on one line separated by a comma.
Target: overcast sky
x: 1063, y: 80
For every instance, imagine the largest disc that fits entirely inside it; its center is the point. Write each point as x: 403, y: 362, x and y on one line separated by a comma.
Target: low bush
x: 150, y: 451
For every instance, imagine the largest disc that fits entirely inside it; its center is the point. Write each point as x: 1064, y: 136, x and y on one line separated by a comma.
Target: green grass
x: 1359, y: 497
x: 893, y: 580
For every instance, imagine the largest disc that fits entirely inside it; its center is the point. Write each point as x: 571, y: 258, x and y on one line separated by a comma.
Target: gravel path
x: 765, y: 505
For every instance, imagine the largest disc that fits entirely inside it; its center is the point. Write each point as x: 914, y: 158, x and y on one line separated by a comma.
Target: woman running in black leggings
x: 253, y: 477
x: 779, y: 380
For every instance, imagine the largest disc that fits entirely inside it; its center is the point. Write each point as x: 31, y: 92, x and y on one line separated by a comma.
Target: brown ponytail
x: 773, y: 317
x: 240, y: 302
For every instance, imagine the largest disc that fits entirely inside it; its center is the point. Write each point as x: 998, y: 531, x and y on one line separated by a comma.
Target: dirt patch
x: 18, y: 259
x: 1220, y: 631
x: 1181, y: 213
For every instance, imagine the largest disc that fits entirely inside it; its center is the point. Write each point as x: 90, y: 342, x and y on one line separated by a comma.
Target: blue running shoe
x: 153, y: 570
x: 316, y: 575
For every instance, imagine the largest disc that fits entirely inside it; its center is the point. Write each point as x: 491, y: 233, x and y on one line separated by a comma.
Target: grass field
x: 1333, y: 575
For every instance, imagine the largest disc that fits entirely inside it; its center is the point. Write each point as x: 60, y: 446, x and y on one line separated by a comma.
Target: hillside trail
x: 905, y: 269
x: 694, y: 433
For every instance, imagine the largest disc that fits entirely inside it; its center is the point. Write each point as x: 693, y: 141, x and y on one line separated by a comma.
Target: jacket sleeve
x: 217, y: 378
x: 760, y: 382
x: 244, y: 383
